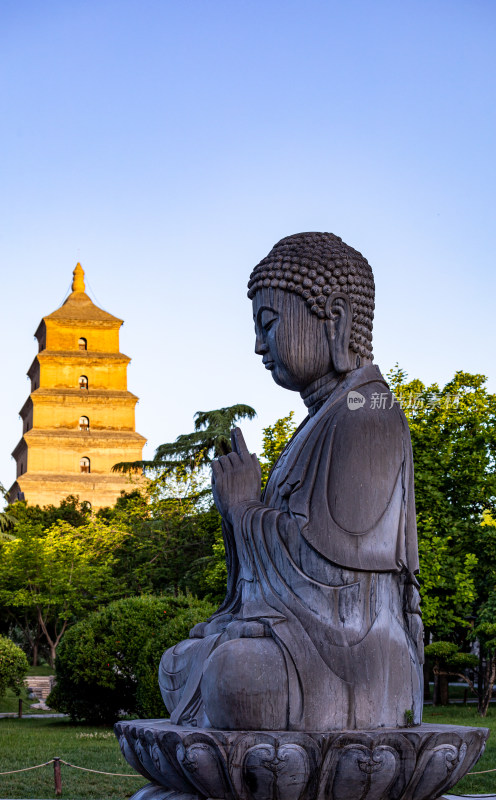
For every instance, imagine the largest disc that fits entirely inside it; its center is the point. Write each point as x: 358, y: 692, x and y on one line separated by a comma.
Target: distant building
x: 78, y: 420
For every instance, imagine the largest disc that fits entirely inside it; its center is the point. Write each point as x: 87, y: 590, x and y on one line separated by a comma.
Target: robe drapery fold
x: 322, y: 562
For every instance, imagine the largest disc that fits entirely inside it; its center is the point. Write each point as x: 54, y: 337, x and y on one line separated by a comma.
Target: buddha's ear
x: 338, y: 327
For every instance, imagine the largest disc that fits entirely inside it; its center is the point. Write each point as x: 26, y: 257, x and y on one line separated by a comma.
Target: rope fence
x: 56, y: 761
x: 26, y: 769
x: 99, y: 771
x: 57, y: 775
x: 74, y: 766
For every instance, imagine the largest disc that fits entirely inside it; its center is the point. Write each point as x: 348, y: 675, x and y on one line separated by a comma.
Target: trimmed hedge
x: 107, y: 664
x: 13, y: 666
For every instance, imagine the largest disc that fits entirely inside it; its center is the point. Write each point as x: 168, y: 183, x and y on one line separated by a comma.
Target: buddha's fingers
x: 239, y: 444
x: 233, y: 459
x: 256, y: 463
x: 217, y: 470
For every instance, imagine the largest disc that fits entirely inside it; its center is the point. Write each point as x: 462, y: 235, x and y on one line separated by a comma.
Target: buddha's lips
x: 268, y: 364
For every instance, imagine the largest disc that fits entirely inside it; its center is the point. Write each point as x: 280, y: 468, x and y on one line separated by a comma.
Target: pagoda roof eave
x: 26, y: 407
x: 76, y: 355
x: 17, y: 449
x: 93, y: 436
x: 38, y: 331
x: 79, y: 308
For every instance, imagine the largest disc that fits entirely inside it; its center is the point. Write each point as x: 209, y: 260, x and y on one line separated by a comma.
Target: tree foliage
x: 275, y: 439
x: 13, y: 666
x: 453, y: 430
x: 57, y: 575
x: 210, y: 439
x: 108, y: 662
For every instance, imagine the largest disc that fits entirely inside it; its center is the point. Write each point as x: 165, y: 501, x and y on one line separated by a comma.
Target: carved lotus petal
x: 154, y: 792
x: 359, y: 772
x: 148, y: 768
x: 170, y: 775
x: 202, y: 765
x: 276, y: 772
x: 434, y: 769
x: 128, y: 753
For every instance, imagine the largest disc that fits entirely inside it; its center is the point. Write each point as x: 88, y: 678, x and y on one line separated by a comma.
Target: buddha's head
x: 313, y: 306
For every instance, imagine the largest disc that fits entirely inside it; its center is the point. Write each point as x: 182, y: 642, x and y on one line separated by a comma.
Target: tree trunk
x: 489, y: 678
x: 480, y: 679
x: 52, y: 643
x: 444, y: 690
x: 35, y: 654
x: 436, y: 698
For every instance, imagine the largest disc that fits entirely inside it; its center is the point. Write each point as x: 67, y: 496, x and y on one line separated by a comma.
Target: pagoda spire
x: 78, y: 279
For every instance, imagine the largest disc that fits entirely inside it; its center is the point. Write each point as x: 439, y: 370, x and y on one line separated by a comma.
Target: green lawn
x: 32, y: 741
x: 25, y: 742
x: 43, y: 670
x: 10, y: 702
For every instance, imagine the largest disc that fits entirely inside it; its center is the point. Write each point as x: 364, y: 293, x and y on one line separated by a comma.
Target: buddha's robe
x: 325, y: 565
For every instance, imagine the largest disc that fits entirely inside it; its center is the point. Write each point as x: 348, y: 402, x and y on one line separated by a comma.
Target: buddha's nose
x: 260, y: 346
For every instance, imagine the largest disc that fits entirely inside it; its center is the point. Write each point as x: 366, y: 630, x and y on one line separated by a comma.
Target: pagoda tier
x: 79, y: 419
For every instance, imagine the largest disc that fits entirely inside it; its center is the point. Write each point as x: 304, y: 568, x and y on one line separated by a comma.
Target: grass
x: 25, y: 742
x: 467, y: 715
x: 43, y: 670
x: 9, y: 702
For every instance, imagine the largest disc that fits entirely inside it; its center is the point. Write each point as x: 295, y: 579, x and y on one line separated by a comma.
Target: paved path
x: 463, y: 796
x: 14, y: 714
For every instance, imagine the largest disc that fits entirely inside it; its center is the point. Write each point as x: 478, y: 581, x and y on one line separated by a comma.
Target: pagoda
x: 78, y: 420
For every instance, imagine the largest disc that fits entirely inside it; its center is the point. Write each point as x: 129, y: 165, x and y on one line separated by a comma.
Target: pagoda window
x: 83, y: 344
x: 83, y: 382
x: 84, y: 424
x: 85, y: 465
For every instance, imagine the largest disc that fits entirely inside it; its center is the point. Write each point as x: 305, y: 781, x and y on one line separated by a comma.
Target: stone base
x: 183, y: 763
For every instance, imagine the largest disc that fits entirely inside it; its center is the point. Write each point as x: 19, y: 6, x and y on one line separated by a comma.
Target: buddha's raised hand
x: 236, y: 478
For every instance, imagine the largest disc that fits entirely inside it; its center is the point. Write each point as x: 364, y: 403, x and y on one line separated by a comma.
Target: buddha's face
x: 291, y: 339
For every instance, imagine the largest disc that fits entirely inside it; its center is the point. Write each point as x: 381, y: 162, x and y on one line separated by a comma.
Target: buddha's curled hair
x: 315, y: 265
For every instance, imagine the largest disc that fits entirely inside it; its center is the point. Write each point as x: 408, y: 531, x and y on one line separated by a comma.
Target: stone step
x: 40, y: 685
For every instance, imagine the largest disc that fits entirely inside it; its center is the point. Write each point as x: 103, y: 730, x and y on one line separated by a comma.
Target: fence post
x: 57, y: 777
x: 20, y: 708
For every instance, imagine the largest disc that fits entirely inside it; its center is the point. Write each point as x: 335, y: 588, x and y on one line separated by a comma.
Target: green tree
x: 13, y: 666
x: 108, y: 662
x: 449, y: 663
x: 171, y: 526
x: 453, y: 432
x: 6, y: 520
x: 210, y: 439
x: 71, y: 510
x: 179, y: 541
x: 275, y: 439
x: 57, y: 575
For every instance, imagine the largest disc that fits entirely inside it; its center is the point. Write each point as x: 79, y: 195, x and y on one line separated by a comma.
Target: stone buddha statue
x: 320, y: 628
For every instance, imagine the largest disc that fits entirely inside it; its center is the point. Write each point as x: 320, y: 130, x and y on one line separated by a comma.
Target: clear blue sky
x: 168, y: 145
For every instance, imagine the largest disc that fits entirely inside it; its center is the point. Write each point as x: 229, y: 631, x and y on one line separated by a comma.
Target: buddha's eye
x: 267, y: 319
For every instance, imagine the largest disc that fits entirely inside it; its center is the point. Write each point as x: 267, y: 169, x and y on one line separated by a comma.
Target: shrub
x: 13, y: 666
x: 107, y: 664
x: 441, y: 650
x: 447, y: 655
